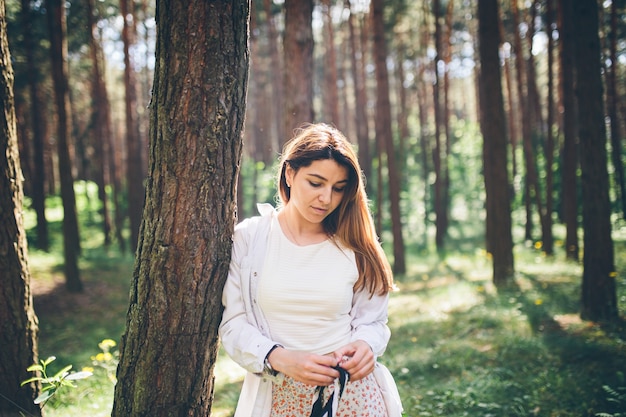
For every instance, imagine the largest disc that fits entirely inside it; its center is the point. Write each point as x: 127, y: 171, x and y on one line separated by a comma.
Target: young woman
x: 308, y: 285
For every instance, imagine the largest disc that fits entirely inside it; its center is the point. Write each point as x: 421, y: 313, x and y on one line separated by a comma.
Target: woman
x: 308, y: 285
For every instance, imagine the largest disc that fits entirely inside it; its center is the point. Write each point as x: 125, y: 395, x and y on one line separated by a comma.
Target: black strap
x: 326, y: 410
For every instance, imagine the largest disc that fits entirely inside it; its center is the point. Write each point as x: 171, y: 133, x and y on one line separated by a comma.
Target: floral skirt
x: 360, y: 398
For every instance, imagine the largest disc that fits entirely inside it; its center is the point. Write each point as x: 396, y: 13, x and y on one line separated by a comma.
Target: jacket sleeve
x: 239, y: 330
x: 369, y: 320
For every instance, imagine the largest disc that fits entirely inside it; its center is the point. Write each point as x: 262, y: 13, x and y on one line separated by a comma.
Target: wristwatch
x: 267, y: 366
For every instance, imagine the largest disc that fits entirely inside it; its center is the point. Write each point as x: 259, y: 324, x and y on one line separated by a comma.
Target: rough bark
x: 170, y: 345
x: 599, y: 299
x: 493, y: 127
x: 18, y: 323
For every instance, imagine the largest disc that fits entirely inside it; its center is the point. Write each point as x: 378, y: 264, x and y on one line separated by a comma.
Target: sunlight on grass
x: 458, y: 347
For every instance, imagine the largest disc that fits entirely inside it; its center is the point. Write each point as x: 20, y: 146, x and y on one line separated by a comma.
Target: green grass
x: 458, y: 347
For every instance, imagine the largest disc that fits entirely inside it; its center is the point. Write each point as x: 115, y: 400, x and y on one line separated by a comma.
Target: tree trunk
x: 357, y: 51
x: 525, y: 119
x: 570, y: 127
x: 612, y: 100
x: 599, y: 299
x: 330, y: 96
x: 169, y: 349
x: 493, y: 127
x: 18, y: 337
x: 298, y: 68
x: 58, y: 53
x: 39, y: 123
x: 383, y: 131
x: 273, y: 147
x: 134, y: 158
x: 438, y: 152
x: 101, y: 122
x: 548, y: 238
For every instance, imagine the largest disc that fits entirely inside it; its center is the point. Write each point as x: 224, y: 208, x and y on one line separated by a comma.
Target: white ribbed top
x: 305, y: 293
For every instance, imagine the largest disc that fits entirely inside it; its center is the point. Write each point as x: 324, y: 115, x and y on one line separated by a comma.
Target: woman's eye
x: 314, y: 184
x: 339, y: 189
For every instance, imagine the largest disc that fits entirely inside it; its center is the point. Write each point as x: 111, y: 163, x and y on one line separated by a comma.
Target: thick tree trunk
x: 548, y: 238
x: 18, y: 328
x: 169, y: 349
x: 599, y: 299
x: 384, y: 134
x: 298, y: 64
x: 570, y: 127
x: 493, y: 127
x: 58, y: 53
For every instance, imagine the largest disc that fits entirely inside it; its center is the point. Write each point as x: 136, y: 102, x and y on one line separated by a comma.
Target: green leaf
x: 78, y: 375
x: 63, y: 372
x: 29, y: 380
x: 34, y: 368
x: 44, y: 396
x: 48, y: 361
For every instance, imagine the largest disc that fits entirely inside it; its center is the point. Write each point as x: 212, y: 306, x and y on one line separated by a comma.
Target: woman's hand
x: 304, y: 367
x: 357, y: 358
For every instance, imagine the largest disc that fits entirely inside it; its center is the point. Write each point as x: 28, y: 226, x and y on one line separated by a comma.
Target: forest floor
x: 458, y: 347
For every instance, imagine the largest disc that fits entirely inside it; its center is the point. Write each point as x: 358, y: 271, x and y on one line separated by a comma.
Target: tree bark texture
x: 18, y: 323
x: 58, y: 53
x: 384, y: 133
x: 196, y: 119
x: 298, y: 72
x: 493, y: 127
x: 599, y: 299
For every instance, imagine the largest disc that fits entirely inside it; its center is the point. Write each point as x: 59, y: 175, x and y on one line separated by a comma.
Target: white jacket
x: 244, y: 329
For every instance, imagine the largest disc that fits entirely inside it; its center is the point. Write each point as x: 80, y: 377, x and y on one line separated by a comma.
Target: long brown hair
x: 351, y: 222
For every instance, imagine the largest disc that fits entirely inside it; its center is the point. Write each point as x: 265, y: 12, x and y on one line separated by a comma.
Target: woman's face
x: 318, y: 189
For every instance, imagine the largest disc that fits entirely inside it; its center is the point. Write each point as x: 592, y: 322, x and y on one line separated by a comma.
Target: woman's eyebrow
x: 324, y: 179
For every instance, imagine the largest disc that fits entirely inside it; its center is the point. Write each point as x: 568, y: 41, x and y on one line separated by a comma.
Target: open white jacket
x: 244, y: 331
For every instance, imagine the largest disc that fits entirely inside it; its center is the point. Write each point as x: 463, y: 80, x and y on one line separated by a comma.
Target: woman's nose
x: 325, y: 194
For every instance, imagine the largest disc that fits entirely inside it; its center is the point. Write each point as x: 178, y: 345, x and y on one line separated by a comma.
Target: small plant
x: 52, y: 384
x: 616, y: 396
x: 107, y: 359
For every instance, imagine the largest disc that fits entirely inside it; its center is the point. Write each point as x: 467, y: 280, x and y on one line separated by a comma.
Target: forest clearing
x: 458, y: 347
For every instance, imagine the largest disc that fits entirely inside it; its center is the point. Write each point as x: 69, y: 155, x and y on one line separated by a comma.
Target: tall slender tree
x: 599, y: 298
x: 298, y: 70
x: 135, y: 151
x: 18, y: 335
x: 101, y: 121
x: 170, y: 345
x: 58, y: 52
x: 569, y: 158
x: 39, y: 130
x: 493, y: 127
x: 384, y: 133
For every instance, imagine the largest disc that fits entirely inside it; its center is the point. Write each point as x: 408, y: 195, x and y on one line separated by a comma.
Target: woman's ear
x: 289, y: 174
